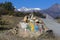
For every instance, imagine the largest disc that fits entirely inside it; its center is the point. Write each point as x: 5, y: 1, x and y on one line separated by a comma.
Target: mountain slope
x: 52, y: 24
x: 24, y: 9
x: 54, y: 10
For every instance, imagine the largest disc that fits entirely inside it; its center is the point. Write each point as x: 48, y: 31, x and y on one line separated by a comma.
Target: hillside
x: 58, y: 20
x: 53, y: 11
x: 11, y: 34
x: 11, y: 21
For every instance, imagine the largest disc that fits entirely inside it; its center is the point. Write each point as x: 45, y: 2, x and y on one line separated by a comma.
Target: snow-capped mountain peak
x: 28, y: 9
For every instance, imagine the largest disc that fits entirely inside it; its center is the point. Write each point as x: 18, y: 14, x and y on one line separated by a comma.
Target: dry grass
x: 58, y: 20
x: 11, y: 20
x: 8, y: 35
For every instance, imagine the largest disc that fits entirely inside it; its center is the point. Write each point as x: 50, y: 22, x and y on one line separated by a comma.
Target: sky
x: 42, y: 4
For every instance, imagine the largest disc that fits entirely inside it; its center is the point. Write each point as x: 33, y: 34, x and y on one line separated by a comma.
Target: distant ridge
x: 28, y: 9
x: 53, y: 11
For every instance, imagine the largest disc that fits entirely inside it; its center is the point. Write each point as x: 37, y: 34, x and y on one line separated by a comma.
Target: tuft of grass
x: 58, y: 20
